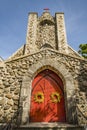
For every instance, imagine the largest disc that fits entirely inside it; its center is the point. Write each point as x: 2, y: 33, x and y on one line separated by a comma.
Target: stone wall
x: 43, y: 32
x: 16, y: 76
x: 46, y: 31
x: 61, y: 33
x: 31, y: 33
x: 18, y: 53
x: 46, y: 35
x: 72, y: 52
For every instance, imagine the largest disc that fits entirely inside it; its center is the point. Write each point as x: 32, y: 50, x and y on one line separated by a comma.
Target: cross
x: 46, y: 9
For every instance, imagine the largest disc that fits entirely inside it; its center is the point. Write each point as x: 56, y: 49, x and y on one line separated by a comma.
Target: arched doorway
x: 47, y: 98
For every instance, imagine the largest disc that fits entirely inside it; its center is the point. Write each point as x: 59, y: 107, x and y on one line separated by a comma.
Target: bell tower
x: 44, y: 81
x: 46, y: 31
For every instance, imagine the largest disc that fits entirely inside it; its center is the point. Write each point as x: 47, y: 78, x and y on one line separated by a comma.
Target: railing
x: 14, y: 122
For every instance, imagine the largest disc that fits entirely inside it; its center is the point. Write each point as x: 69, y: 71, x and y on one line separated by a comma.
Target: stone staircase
x: 50, y: 126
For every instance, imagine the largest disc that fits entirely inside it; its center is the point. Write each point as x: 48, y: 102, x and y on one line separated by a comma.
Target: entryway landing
x: 50, y: 126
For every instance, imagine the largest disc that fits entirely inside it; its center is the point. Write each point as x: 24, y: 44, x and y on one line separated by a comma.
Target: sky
x: 14, y: 18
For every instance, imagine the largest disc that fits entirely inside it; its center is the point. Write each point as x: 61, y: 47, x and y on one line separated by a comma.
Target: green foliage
x: 83, y: 50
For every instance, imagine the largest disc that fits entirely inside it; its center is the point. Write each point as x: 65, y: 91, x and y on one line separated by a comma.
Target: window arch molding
x: 46, y: 21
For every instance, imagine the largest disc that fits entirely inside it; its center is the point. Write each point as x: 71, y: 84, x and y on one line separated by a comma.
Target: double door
x: 47, y: 98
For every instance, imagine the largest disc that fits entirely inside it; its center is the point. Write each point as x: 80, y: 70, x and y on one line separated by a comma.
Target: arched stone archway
x: 59, y: 69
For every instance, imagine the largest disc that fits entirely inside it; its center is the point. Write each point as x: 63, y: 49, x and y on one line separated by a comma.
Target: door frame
x: 68, y: 83
x: 59, y: 86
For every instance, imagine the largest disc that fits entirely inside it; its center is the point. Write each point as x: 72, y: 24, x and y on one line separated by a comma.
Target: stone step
x: 54, y: 128
x: 50, y: 126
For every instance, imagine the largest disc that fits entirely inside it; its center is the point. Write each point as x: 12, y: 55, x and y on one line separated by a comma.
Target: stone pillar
x: 25, y: 98
x: 31, y: 33
x: 61, y: 33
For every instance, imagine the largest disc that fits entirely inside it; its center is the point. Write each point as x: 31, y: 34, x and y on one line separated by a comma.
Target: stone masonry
x: 46, y: 48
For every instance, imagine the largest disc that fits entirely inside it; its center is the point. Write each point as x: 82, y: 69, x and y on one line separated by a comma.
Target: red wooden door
x: 47, y: 98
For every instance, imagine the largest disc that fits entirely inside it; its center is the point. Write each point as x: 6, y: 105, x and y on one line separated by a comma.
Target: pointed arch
x: 58, y: 68
x: 46, y: 21
x: 47, y: 98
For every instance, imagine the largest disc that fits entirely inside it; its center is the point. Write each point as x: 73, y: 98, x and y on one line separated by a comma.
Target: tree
x: 83, y: 50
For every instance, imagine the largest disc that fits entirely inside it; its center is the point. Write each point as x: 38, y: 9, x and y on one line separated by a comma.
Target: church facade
x: 46, y: 78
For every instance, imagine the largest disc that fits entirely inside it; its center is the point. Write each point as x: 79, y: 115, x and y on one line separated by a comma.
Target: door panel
x: 47, y: 98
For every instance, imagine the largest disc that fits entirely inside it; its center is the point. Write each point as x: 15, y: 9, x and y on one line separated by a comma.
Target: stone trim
x: 50, y: 50
x: 64, y: 74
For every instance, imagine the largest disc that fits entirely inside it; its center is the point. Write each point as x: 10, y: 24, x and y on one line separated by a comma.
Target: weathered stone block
x: 15, y: 97
x: 17, y: 91
x: 6, y: 107
x: 10, y: 102
x: 9, y: 96
x: 2, y: 101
